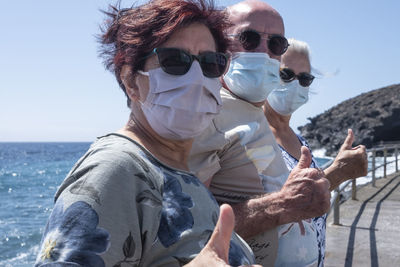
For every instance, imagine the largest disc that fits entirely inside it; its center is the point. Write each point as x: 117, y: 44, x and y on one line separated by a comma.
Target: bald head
x: 255, y: 15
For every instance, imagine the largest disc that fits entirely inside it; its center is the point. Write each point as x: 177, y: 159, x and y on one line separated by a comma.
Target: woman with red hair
x: 130, y: 200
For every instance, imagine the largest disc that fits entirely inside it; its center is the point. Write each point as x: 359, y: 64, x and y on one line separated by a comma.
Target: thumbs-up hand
x: 350, y: 162
x: 305, y: 159
x: 306, y: 192
x: 216, y: 252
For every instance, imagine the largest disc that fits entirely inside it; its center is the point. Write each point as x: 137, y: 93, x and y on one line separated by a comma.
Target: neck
x: 277, y: 122
x: 256, y: 104
x: 174, y: 153
x: 284, y: 135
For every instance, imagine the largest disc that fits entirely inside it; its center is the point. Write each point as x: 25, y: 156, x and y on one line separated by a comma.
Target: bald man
x: 239, y: 159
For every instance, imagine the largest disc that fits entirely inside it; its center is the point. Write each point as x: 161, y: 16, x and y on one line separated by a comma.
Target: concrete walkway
x: 369, y: 234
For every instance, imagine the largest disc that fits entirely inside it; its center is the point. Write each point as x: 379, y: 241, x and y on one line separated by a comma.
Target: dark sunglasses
x: 250, y: 40
x: 176, y: 61
x: 288, y: 75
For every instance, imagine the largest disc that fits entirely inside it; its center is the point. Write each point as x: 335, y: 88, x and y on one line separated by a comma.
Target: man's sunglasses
x: 176, y: 61
x: 288, y: 75
x: 251, y: 39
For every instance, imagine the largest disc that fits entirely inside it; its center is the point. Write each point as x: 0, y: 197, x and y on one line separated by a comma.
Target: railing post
x: 384, y: 161
x: 373, y: 167
x: 353, y: 190
x: 396, y: 153
x: 336, y: 208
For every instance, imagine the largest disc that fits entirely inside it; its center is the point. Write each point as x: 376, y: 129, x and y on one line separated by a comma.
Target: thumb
x: 348, y: 142
x: 305, y: 158
x: 221, y: 237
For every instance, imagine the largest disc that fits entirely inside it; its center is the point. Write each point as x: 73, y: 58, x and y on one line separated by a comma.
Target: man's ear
x: 128, y: 79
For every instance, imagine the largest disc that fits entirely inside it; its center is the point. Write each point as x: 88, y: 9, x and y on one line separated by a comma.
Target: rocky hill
x: 374, y: 117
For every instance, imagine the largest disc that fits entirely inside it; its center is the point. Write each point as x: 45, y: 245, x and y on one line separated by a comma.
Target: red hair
x: 132, y: 33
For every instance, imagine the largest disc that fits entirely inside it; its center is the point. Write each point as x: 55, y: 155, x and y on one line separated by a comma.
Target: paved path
x: 369, y: 234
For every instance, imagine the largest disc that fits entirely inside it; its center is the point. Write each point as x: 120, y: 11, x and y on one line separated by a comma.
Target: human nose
x: 263, y: 48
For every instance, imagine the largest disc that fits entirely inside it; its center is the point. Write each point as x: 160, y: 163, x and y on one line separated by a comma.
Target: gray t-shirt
x: 120, y: 206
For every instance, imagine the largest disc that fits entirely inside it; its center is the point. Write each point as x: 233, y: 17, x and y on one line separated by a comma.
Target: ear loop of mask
x: 145, y: 73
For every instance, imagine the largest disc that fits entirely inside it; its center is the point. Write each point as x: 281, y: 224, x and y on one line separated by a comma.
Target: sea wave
x: 22, y: 259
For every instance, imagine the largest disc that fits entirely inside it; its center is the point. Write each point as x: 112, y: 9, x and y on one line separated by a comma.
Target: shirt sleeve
x: 102, y: 216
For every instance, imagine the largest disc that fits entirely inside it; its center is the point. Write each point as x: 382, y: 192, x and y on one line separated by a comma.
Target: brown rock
x: 374, y: 117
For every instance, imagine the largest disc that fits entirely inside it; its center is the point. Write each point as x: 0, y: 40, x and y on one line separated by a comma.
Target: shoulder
x: 112, y: 160
x: 302, y: 140
x: 118, y: 153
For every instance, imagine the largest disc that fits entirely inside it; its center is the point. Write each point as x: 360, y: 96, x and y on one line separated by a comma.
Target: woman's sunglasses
x: 176, y: 61
x: 251, y: 39
x: 288, y: 75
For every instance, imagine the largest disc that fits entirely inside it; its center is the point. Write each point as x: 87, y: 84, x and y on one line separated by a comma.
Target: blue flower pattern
x: 190, y: 179
x: 72, y: 236
x: 177, y: 218
x: 175, y: 214
x: 236, y: 255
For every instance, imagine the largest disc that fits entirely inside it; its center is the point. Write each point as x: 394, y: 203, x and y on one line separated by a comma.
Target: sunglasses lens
x: 287, y: 75
x: 174, y: 61
x: 249, y: 39
x: 213, y: 64
x: 305, y: 79
x: 178, y: 62
x: 278, y: 44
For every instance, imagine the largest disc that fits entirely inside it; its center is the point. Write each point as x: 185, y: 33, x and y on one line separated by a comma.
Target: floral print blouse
x: 120, y: 206
x: 319, y: 222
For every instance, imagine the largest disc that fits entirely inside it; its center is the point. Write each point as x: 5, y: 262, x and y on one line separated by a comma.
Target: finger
x: 314, y: 174
x: 221, y: 237
x: 324, y: 185
x: 321, y: 173
x: 362, y: 147
x: 327, y: 203
x: 305, y: 158
x: 360, y: 150
x: 348, y: 141
x: 327, y: 184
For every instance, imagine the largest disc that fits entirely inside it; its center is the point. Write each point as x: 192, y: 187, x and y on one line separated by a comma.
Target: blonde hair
x: 299, y: 47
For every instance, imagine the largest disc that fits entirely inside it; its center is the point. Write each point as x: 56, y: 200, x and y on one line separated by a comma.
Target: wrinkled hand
x: 351, y: 161
x: 216, y: 252
x: 306, y: 192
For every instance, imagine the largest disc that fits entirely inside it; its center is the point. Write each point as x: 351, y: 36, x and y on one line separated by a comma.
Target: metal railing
x: 385, y: 149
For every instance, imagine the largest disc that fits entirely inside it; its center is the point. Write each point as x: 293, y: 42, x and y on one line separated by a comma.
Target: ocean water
x: 29, y: 176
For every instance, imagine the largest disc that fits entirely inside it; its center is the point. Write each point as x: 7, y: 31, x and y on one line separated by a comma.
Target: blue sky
x: 53, y: 86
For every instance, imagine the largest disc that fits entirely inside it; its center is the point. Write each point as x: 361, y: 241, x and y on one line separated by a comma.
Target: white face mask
x: 181, y: 106
x: 288, y: 98
x: 252, y: 76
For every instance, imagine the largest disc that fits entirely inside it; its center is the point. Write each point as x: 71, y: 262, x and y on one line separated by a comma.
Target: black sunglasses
x: 176, y: 61
x: 288, y: 75
x: 250, y: 40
